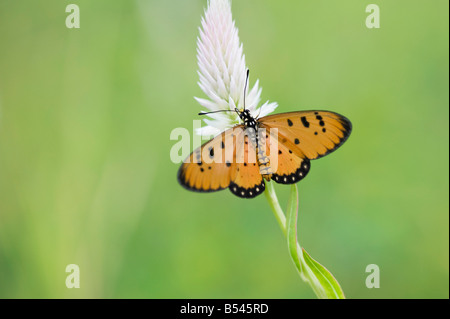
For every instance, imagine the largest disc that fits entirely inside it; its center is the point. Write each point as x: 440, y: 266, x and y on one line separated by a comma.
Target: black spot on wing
x: 304, y: 121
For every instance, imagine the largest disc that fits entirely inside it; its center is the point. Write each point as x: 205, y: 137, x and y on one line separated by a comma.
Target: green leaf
x: 319, y: 278
x: 327, y: 281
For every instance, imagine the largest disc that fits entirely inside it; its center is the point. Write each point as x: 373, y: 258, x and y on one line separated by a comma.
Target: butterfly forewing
x: 210, y: 167
x: 310, y: 134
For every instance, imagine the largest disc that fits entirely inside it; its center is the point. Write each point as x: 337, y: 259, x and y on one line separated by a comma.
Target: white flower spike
x: 222, y: 71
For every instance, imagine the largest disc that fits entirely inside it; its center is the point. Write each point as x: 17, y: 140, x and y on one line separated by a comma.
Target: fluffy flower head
x: 222, y: 71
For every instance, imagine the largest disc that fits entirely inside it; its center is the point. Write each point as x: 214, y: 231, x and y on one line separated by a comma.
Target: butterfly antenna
x: 245, y: 86
x: 205, y: 113
x: 236, y: 110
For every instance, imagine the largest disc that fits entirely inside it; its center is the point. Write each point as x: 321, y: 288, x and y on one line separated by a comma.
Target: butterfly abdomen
x: 263, y: 159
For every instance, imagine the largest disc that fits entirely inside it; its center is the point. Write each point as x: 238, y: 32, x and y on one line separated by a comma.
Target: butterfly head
x: 246, y: 117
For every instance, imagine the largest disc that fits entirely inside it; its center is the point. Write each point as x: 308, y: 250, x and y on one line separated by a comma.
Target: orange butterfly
x: 276, y: 147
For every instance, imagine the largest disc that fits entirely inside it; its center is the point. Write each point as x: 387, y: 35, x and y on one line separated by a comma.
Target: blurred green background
x: 86, y: 177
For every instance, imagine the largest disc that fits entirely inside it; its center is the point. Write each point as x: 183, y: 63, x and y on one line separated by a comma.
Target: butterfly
x: 277, y: 147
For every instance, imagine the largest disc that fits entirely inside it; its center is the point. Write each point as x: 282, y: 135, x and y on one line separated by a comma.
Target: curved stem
x: 275, y: 205
x: 318, y: 277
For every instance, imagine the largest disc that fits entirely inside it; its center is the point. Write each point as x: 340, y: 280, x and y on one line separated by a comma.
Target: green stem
x: 275, y: 205
x: 318, y: 277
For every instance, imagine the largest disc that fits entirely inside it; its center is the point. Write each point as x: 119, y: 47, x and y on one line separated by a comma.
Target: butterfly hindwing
x: 247, y: 181
x: 288, y: 167
x: 309, y: 134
